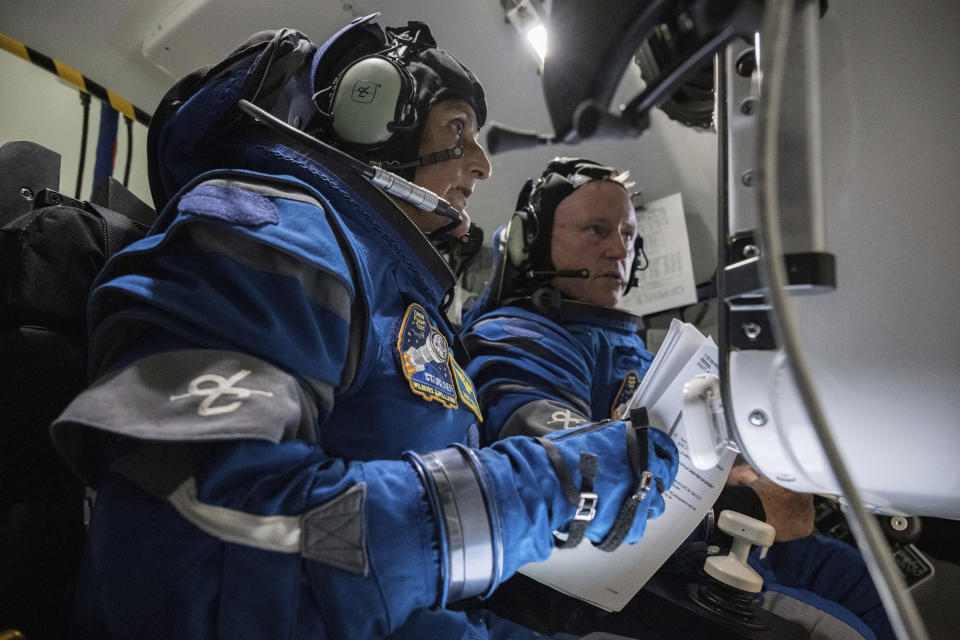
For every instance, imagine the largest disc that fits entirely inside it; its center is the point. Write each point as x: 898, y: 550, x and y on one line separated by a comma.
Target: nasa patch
x: 424, y: 357
x: 627, y: 387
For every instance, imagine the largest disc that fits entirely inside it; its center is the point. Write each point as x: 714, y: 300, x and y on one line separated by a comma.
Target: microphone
x: 453, y: 153
x: 558, y: 273
x: 389, y: 182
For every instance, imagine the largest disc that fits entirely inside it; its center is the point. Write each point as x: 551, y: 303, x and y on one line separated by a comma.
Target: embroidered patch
x: 425, y: 357
x: 465, y: 389
x: 619, y: 409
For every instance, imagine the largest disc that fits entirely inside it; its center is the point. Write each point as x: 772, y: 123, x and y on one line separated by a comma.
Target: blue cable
x: 106, y: 144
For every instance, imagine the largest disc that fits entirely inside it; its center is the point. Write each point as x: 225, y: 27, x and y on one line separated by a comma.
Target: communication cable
x: 389, y: 182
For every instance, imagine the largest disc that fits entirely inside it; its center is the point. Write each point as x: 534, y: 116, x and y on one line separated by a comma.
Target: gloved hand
x: 538, y: 486
x: 498, y: 508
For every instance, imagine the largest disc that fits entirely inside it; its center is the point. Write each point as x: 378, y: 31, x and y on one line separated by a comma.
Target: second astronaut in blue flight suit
x: 550, y: 351
x: 281, y: 437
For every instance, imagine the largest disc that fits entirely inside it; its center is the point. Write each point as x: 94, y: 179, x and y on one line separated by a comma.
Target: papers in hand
x: 610, y: 580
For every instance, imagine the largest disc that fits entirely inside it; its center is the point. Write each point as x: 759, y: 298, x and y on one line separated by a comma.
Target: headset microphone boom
x: 380, y: 178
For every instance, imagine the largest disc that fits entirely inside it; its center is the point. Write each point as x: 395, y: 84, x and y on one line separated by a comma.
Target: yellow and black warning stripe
x: 75, y: 78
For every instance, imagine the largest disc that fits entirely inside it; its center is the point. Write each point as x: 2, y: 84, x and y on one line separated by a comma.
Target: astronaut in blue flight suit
x: 278, y: 428
x: 549, y: 351
x: 577, y: 357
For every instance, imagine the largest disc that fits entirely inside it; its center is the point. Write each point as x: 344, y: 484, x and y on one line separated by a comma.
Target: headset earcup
x: 635, y: 264
x: 370, y: 95
x: 521, y: 232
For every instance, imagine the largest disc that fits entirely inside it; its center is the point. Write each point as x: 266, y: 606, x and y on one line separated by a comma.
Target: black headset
x: 523, y: 240
x: 373, y: 100
x: 522, y: 230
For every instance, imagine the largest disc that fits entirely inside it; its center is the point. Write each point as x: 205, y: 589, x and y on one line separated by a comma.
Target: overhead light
x: 537, y: 35
x: 527, y: 17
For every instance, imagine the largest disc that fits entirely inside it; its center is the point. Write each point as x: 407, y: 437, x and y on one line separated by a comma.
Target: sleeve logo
x: 211, y: 387
x: 363, y: 91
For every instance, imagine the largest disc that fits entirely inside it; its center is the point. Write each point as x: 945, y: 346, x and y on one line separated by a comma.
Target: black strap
x: 587, y: 503
x: 638, y: 453
x: 585, y: 500
x: 628, y: 510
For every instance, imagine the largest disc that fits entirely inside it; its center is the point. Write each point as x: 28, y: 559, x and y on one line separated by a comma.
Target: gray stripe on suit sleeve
x: 540, y: 417
x: 189, y: 395
x: 326, y: 289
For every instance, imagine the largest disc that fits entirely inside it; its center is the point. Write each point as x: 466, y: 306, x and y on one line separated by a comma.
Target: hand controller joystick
x: 732, y: 585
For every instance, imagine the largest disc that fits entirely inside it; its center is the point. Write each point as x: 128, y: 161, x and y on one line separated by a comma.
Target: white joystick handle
x: 732, y: 569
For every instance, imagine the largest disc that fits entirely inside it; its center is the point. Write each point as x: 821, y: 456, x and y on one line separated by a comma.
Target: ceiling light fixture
x: 527, y: 16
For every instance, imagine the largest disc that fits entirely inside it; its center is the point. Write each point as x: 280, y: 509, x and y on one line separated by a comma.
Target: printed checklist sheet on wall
x: 668, y: 281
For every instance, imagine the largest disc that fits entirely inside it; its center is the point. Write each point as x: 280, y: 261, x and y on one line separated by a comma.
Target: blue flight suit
x: 250, y: 293
x: 523, y: 363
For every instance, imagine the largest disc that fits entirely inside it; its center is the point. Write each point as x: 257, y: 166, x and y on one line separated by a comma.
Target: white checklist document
x: 610, y: 579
